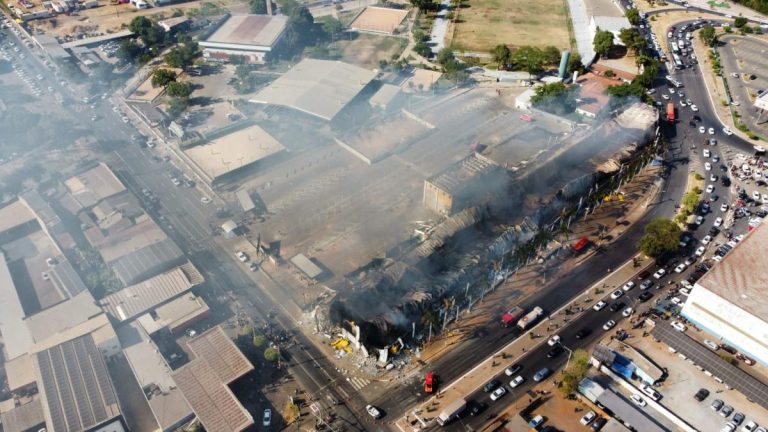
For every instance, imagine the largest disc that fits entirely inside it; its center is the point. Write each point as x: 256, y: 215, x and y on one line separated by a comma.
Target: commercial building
x: 618, y: 406
x: 592, y: 98
x: 461, y: 185
x: 731, y: 300
x: 320, y: 88
x: 250, y: 36
x: 627, y: 361
x: 374, y: 19
x: 204, y: 382
x: 225, y: 157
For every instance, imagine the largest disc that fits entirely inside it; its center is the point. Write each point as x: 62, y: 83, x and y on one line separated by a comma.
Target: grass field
x: 366, y: 50
x: 487, y: 23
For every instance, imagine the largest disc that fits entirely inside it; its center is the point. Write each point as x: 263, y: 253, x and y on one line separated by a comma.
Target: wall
x: 437, y: 199
x: 732, y: 324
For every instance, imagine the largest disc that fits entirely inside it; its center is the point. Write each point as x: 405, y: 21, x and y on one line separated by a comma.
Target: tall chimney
x: 269, y: 7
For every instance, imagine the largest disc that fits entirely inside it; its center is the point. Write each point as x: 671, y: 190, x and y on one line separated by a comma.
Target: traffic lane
x: 538, y: 358
x: 492, y: 337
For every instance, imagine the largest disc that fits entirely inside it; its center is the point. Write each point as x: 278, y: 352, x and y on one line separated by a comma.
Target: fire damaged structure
x: 489, y: 212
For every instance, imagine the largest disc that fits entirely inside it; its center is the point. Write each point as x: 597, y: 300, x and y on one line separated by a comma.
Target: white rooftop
x: 320, y: 88
x: 16, y: 335
x: 244, y: 31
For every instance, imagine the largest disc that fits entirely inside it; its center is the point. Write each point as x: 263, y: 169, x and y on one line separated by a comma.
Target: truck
x: 452, y: 411
x: 670, y: 112
x: 511, y: 316
x: 530, y: 318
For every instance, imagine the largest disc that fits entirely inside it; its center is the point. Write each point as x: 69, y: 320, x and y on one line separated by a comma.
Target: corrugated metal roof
x: 215, y: 347
x: 736, y: 278
x: 135, y: 300
x: 77, y: 391
x: 459, y: 175
x: 138, y: 264
x: 306, y: 266
x: 629, y: 413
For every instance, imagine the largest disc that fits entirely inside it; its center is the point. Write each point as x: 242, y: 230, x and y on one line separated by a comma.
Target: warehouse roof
x: 134, y: 300
x: 233, y: 151
x: 321, y: 88
x: 23, y: 417
x: 306, y: 266
x: 629, y: 413
x: 243, y: 31
x: 457, y: 176
x: 77, y: 391
x: 735, y: 279
x: 15, y: 214
x: 93, y: 185
x: 63, y: 316
x: 204, y: 382
x: 133, y: 266
x: 16, y: 335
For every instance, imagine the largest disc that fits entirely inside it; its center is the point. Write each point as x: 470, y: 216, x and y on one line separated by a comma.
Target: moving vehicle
x: 516, y: 381
x: 374, y: 412
x: 511, y: 316
x: 677, y: 325
x: 609, y: 325
x: 671, y: 112
x: 638, y: 400
x: 530, y: 318
x: 599, y: 305
x: 515, y: 368
x: 491, y: 385
x: 452, y: 411
x: 650, y: 392
x: 542, y: 374
x: 267, y: 418
x: 627, y: 312
x: 616, y: 294
x: 554, y: 340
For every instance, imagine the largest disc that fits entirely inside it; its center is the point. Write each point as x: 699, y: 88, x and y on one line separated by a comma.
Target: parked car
x: 542, y: 374
x: 677, y: 325
x: 716, y: 405
x: 616, y: 294
x: 516, y: 381
x: 588, y: 418
x: 554, y: 340
x: 650, y: 392
x: 701, y: 394
x: 638, y: 400
x: 726, y: 410
x: 598, y: 424
x: 609, y: 325
x: 628, y: 286
x: 498, y: 393
x: 491, y: 385
x: 373, y: 411
x: 599, y: 305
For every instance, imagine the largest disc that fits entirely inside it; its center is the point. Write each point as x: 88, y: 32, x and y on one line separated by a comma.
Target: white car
x: 677, y: 325
x: 671, y: 91
x: 756, y: 196
x: 650, y: 392
x: 517, y: 381
x: 710, y: 188
x: 765, y: 198
x: 628, y: 286
x: 750, y: 426
x: 175, y: 181
x: 707, y: 238
x: 659, y: 273
x: 676, y: 300
x: 702, y: 129
x: 682, y: 103
x: 706, y: 153
x: 665, y: 96
x: 609, y: 325
x: 498, y: 393
x: 600, y: 305
x: 373, y: 411
x: 711, y: 131
x: 707, y: 166
x: 727, y: 131
x: 680, y: 268
x: 205, y: 200
x: 638, y: 400
x: 713, y: 177
x: 718, y: 222
x: 699, y: 220
x: 588, y: 418
x: 616, y: 294
x: 267, y: 419
x: 734, y: 74
x: 700, y: 251
x: 627, y: 312
x: 241, y: 256
x: 554, y: 340
x: 694, y: 108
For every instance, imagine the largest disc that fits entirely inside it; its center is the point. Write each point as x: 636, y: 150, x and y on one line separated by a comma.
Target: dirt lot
x: 366, y: 50
x: 487, y: 23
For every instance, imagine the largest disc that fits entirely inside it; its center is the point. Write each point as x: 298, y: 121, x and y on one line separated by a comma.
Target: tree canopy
x: 260, y: 6
x: 425, y: 5
x: 574, y: 372
x: 708, y: 35
x: 739, y: 22
x: 633, y: 16
x: 149, y: 32
x: 603, y: 42
x: 178, y: 89
x: 556, y: 98
x: 662, y: 236
x: 184, y: 55
x: 162, y: 77
x: 453, y: 69
x: 632, y: 39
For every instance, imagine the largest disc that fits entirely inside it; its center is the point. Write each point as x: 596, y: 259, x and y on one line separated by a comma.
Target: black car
x: 598, y: 424
x: 713, y: 231
x: 616, y: 306
x: 554, y: 352
x: 701, y: 394
x: 583, y: 333
x: 491, y: 385
x: 725, y: 181
x: 645, y: 296
x: 476, y: 408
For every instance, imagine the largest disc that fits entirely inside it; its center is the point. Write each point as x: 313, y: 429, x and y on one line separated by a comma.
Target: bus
x: 678, y: 63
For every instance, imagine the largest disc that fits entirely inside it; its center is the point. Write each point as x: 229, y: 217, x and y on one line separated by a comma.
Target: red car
x: 429, y: 382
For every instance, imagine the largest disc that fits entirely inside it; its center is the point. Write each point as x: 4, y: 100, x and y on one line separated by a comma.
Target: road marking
x: 358, y: 383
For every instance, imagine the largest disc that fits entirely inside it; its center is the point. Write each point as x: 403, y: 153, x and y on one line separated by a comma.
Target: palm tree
x: 563, y: 230
x: 430, y: 318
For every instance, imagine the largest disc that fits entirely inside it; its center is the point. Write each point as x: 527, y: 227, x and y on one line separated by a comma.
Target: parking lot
x: 745, y: 63
x: 685, y: 379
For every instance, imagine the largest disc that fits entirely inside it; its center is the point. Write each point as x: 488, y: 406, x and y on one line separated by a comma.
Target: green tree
x: 259, y: 340
x: 662, y: 236
x: 556, y: 98
x: 260, y: 7
x: 575, y: 371
x: 149, y: 32
x: 632, y: 39
x: 551, y: 55
x: 177, y: 106
x: 603, y: 42
x: 162, y: 77
x: 425, y: 5
x: 633, y: 16
x: 332, y: 27
x: 421, y: 48
x: 184, y: 55
x: 178, y: 89
x: 501, y: 54
x: 690, y: 201
x: 270, y: 354
x: 739, y: 22
x: 445, y: 56
x: 528, y: 59
x: 708, y: 35
x: 129, y: 50
x: 575, y: 64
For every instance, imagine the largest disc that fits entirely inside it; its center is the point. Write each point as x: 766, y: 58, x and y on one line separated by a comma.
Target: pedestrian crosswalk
x: 358, y: 383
